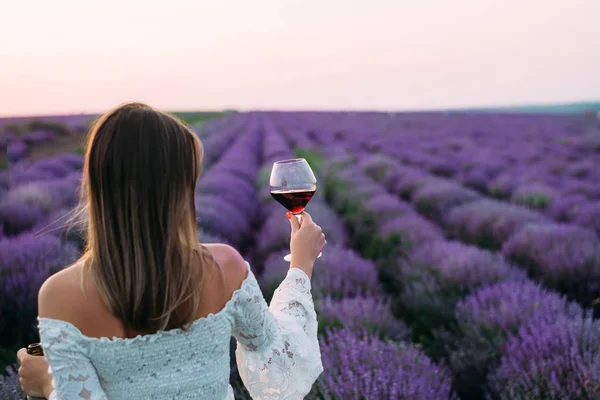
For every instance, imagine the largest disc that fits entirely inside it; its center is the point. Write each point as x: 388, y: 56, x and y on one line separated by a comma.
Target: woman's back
x: 177, y: 363
x: 128, y: 362
x: 88, y: 312
x: 164, y: 365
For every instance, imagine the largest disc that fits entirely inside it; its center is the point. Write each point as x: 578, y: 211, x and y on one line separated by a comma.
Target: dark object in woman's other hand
x: 35, y: 349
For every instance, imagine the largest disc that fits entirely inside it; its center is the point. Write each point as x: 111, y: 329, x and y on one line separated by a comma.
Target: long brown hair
x: 139, y: 178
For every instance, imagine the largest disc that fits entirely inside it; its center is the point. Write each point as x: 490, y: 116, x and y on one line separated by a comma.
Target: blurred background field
x: 456, y: 146
x: 464, y: 256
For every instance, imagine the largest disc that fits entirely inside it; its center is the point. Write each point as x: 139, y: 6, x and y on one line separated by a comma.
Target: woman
x: 148, y: 312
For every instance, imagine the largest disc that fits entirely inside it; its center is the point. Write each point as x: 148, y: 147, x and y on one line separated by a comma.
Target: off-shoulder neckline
x: 153, y: 336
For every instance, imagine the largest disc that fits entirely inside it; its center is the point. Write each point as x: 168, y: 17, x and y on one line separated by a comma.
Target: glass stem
x: 299, y: 217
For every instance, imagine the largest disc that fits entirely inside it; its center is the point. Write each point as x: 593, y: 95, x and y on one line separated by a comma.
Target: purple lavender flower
x: 10, y: 386
x: 566, y: 208
x: 362, y: 366
x: 582, y: 168
x: 504, y: 184
x: 6, y: 138
x: 35, y: 194
x: 371, y: 313
x: 489, y: 223
x: 440, y: 273
x: 274, y: 234
x: 460, y: 268
x: 241, y: 158
x: 73, y: 161
x: 205, y: 237
x: 222, y: 218
x: 589, y: 189
x: 4, y: 183
x: 403, y: 181
x: 385, y: 206
x: 378, y: 166
x: 216, y: 142
x: 338, y: 160
x: 533, y: 195
x: 353, y: 173
x: 447, y: 168
x: 16, y: 151
x: 475, y: 178
x: 275, y: 147
x: 38, y: 137
x: 55, y: 166
x: 350, y: 187
x: 415, y: 229
x: 18, y: 217
x: 557, y: 359
x: 21, y: 174
x: 230, y: 188
x: 63, y: 223
x: 565, y: 257
x: 262, y: 184
x: 300, y: 140
x: 589, y: 216
x: 340, y: 272
x: 273, y: 272
x: 492, y: 315
x: 26, y: 261
x: 434, y: 199
x: 333, y: 226
x: 481, y: 165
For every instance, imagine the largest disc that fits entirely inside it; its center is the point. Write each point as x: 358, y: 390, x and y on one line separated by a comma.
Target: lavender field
x: 464, y: 250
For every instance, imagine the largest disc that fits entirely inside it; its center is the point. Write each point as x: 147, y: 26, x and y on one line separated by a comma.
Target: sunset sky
x: 65, y: 56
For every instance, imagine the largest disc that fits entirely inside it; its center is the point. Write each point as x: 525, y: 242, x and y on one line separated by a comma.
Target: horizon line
x: 496, y: 107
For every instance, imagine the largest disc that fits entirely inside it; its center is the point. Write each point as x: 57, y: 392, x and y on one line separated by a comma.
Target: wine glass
x: 293, y: 184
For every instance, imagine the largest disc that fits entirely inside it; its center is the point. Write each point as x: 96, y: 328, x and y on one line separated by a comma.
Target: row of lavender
x: 17, y: 135
x: 490, y: 329
x: 365, y: 350
x: 548, y: 163
x: 565, y: 257
x: 469, y: 305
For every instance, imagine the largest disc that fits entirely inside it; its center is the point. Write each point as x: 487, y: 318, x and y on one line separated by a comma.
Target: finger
x: 293, y: 222
x: 21, y: 354
x: 306, y: 217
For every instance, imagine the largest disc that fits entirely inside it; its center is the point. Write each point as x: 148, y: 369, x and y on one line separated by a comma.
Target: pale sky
x: 64, y: 56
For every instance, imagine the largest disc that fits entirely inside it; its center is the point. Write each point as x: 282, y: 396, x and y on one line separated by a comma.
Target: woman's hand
x: 306, y: 242
x: 33, y: 375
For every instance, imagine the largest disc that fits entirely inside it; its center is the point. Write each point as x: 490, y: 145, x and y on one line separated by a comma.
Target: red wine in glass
x: 294, y: 200
x: 293, y: 184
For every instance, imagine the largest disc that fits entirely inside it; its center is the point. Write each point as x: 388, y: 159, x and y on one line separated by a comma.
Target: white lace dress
x: 277, y: 352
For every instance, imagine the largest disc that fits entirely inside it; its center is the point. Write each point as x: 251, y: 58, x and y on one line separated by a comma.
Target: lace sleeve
x: 277, y: 352
x: 73, y: 375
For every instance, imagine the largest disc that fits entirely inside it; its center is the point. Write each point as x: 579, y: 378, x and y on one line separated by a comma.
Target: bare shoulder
x: 233, y: 265
x: 60, y: 294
